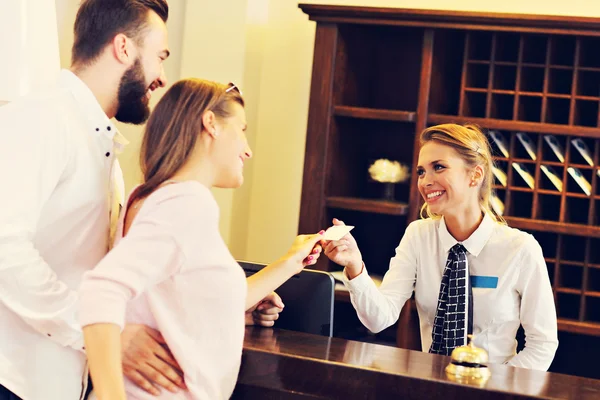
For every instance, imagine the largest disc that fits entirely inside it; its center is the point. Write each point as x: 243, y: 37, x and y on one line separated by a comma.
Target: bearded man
x: 61, y: 189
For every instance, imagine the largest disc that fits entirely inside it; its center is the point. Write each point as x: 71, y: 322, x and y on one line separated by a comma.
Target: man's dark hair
x: 99, y: 21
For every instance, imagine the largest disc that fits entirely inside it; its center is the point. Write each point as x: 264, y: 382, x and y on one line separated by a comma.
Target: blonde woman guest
x: 170, y: 268
x: 469, y: 271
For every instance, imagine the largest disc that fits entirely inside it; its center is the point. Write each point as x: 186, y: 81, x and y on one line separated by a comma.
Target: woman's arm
x: 304, y: 251
x: 103, y: 344
x: 537, y: 312
x: 377, y: 308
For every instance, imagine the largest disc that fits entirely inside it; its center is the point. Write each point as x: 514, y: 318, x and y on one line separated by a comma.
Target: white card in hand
x: 337, y: 232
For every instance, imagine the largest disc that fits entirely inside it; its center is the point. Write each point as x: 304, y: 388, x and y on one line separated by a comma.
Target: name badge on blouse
x: 484, y: 282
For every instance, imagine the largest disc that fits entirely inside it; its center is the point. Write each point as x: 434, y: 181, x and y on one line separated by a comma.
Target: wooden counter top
x: 280, y: 364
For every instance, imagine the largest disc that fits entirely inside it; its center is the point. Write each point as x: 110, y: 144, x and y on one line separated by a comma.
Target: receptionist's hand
x: 266, y: 312
x: 344, y: 252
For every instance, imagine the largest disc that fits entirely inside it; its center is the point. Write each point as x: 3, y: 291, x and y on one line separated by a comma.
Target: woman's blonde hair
x: 473, y: 147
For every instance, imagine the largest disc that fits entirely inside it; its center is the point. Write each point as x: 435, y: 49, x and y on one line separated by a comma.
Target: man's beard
x: 133, y: 104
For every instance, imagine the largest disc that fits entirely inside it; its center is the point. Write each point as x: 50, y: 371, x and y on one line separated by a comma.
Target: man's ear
x: 209, y: 121
x: 122, y: 48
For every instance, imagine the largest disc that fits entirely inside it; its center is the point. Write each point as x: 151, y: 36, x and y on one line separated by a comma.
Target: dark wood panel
x: 277, y: 362
x: 445, y: 88
x: 463, y: 19
x: 415, y: 200
x: 319, y: 123
x: 371, y: 69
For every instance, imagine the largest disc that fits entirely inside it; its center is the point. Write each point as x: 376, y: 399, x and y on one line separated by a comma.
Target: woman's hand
x: 266, y: 312
x: 304, y: 251
x: 344, y: 252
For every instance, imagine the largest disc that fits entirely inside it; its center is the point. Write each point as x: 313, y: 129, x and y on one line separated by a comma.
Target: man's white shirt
x: 60, y: 179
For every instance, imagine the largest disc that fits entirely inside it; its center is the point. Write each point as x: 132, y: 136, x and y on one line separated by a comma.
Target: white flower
x: 384, y: 170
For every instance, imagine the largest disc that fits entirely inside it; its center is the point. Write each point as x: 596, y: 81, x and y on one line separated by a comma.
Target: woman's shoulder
x: 513, y: 234
x: 517, y: 239
x: 183, y: 192
x: 423, y: 226
x: 181, y: 203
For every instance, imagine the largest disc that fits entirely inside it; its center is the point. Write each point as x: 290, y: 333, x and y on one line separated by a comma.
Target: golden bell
x: 469, y: 364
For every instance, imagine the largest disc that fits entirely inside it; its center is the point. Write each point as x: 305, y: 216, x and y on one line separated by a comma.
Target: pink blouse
x: 173, y: 272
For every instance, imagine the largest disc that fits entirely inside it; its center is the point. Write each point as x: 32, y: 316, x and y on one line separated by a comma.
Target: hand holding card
x: 341, y: 248
x: 336, y: 232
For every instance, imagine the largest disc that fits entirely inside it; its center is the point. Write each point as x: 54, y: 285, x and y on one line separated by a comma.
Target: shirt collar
x: 474, y: 244
x: 98, y: 120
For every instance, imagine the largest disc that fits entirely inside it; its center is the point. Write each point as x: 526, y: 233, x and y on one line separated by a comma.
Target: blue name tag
x: 485, y: 282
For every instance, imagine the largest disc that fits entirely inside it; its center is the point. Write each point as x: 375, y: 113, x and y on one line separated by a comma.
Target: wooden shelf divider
x: 374, y: 113
x: 368, y: 205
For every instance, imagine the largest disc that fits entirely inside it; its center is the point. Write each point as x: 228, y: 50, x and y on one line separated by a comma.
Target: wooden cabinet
x: 380, y: 76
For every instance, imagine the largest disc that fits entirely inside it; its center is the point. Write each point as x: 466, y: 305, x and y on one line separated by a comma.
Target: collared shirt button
x: 107, y: 154
x: 97, y: 129
x: 108, y: 128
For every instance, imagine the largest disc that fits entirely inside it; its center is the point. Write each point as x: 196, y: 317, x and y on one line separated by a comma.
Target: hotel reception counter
x: 279, y: 364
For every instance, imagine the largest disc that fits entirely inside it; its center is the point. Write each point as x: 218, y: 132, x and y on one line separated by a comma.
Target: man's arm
x: 147, y: 361
x: 34, y: 152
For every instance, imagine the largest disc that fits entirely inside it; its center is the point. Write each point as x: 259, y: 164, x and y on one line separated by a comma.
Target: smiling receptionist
x: 460, y: 237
